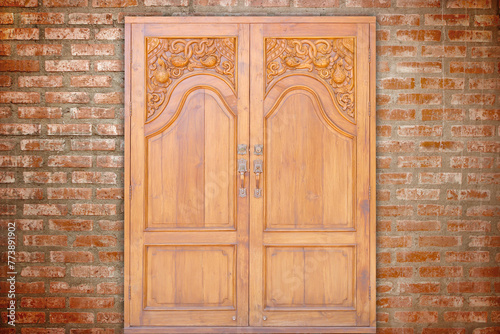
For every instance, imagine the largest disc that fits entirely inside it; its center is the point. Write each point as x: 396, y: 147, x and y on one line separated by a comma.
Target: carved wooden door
x: 309, y: 254
x: 249, y: 162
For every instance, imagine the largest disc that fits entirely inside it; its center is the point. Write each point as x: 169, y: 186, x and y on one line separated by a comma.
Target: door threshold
x: 161, y: 330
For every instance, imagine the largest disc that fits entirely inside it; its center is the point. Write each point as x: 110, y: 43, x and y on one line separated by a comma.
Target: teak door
x: 249, y: 168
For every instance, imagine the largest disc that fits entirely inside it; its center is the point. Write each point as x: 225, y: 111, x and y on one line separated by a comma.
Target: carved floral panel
x: 331, y: 59
x: 168, y: 59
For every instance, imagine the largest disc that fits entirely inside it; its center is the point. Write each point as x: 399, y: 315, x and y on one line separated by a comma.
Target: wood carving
x: 331, y: 59
x: 168, y: 59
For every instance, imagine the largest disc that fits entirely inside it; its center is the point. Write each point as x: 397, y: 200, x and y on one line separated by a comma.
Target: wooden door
x: 309, y: 241
x: 188, y: 227
x: 286, y: 246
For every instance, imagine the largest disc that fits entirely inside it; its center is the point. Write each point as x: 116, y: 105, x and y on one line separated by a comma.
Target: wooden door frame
x: 129, y: 21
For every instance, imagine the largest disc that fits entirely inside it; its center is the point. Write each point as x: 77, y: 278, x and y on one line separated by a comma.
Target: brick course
x: 438, y: 113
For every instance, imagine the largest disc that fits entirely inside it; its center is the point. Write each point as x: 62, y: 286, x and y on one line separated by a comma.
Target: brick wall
x: 61, y: 159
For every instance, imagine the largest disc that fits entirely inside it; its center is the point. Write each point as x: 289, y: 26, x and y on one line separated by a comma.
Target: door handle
x: 257, y: 169
x: 242, y: 169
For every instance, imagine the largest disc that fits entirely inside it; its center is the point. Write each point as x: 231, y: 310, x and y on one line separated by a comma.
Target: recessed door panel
x: 211, y: 273
x: 190, y: 167
x: 309, y: 167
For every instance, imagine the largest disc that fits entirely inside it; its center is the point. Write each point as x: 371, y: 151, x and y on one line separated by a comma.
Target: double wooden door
x: 249, y: 169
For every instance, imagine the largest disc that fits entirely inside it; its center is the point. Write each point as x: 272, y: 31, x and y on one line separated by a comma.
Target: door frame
x: 128, y: 185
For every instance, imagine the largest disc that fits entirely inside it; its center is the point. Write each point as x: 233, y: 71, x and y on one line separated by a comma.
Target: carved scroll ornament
x: 168, y: 59
x: 331, y: 59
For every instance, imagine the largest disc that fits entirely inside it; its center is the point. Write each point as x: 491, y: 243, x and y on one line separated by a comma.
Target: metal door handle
x: 242, y: 169
x: 257, y: 169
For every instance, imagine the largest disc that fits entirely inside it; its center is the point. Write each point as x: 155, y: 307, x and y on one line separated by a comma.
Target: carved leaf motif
x: 332, y: 59
x: 168, y: 59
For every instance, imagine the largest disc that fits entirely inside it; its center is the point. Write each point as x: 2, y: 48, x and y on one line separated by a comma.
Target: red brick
x: 483, y: 99
x: 21, y: 129
x: 19, y: 34
x: 467, y: 256
x: 69, y: 193
x: 41, y: 18
x: 19, y: 97
x: 446, y: 19
x: 44, y: 177
x: 21, y: 193
x: 110, y: 317
x: 110, y: 161
x: 25, y: 161
x: 383, y: 99
x: 92, y: 113
x: 7, y: 144
x: 419, y: 162
x: 67, y: 65
x: 108, y: 65
x: 92, y: 49
x: 32, y: 50
x: 469, y: 35
x: 439, y: 241
x: 485, y: 301
x: 7, y: 210
x: 413, y: 225
x: 69, y: 161
x: 65, y: 3
x: 43, y: 302
x: 394, y: 178
x: 416, y: 317
x: 42, y: 145
x: 419, y: 67
x: 383, y: 162
x: 420, y: 130
x: 93, y: 145
x: 472, y: 67
x: 40, y: 81
x: 383, y: 66
x: 93, y: 209
x: 67, y: 33
x: 26, y: 257
x: 109, y: 34
x: 465, y: 316
x: 485, y: 272
x: 384, y: 257
x: 469, y: 226
x: 5, y: 81
x: 417, y: 98
x: 6, y: 18
x: 109, y: 225
x: 90, y: 18
x: 468, y: 287
x: 23, y: 224
x: 394, y: 210
x: 468, y: 4
x: 394, y: 242
x: 442, y: 114
x: 109, y: 193
x: 439, y: 210
x: 483, y: 146
x: 396, y: 51
x: 5, y: 112
x: 109, y: 98
x: 396, y: 83
x: 95, y: 241
x: 414, y: 194
x: 7, y: 177
x: 298, y: 3
x: 441, y: 301
x: 71, y: 257
x: 394, y: 302
x: 91, y: 81
x: 71, y: 318
x: 69, y: 129
x: 111, y: 256
x: 440, y: 83
x: 387, y: 330
x: 45, y: 240
x: 418, y: 256
x: 91, y: 302
x: 486, y: 20
x: 419, y: 35
x: 70, y: 224
x: 94, y: 177
x: 441, y: 146
x: 92, y: 271
x: 19, y: 66
x: 5, y: 50
x: 485, y: 52
x: 468, y: 195
x: 473, y: 130
x: 484, y: 84
x: 63, y: 287
x: 67, y: 97
x: 398, y: 20
x: 31, y: 317
x: 41, y: 271
x: 419, y: 287
x: 483, y: 178
x: 471, y: 162
x: 45, y: 210
x: 484, y: 241
x: 441, y: 271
